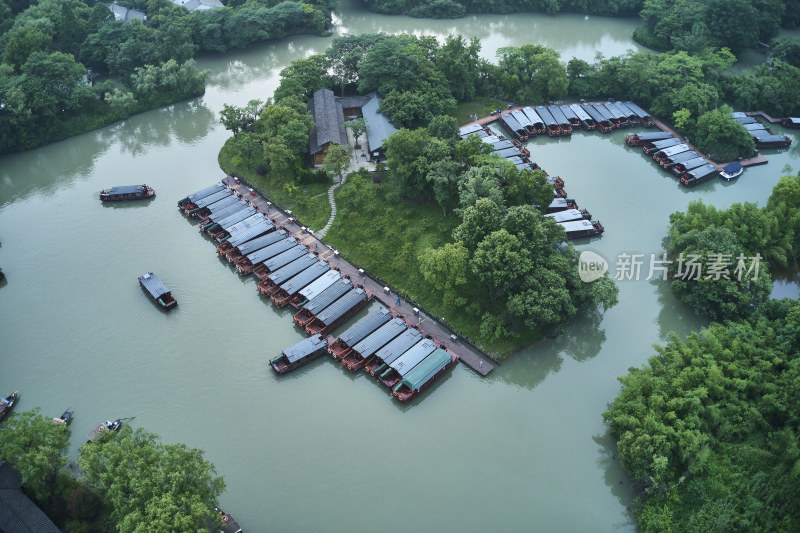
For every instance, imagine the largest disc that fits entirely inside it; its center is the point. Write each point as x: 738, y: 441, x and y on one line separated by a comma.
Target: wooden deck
x: 763, y: 115
x: 427, y: 326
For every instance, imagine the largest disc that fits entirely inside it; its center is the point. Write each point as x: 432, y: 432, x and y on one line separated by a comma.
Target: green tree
x: 337, y: 159
x: 478, y: 221
x: 458, y: 60
x: 233, y: 118
x: 149, y: 485
x: 722, y: 137
x: 302, y: 77
x: 480, y: 183
x: 501, y: 262
x: 443, y: 177
x: 446, y: 269
x: 36, y: 447
x: 358, y: 127
x: 532, y: 73
x: 22, y: 42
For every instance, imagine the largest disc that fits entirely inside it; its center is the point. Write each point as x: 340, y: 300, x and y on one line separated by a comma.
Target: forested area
x: 708, y: 429
x: 458, y: 8
x: 47, y: 47
x: 127, y: 481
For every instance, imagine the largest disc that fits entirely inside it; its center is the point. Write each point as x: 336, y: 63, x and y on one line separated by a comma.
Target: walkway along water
x: 469, y: 355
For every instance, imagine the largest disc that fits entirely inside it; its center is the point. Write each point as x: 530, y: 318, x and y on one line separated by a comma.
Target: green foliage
x: 722, y: 137
x: 35, y: 446
x: 531, y: 74
x: 708, y: 429
x: 337, y: 159
x: 786, y: 49
x: 149, y: 485
x: 457, y: 8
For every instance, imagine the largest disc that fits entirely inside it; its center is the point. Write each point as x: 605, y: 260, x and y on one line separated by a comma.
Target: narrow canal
x: 321, y: 449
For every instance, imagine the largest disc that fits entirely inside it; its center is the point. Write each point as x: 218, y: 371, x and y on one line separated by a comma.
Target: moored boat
x: 365, y: 349
x: 202, y: 193
x: 765, y: 140
x: 358, y: 331
x: 218, y: 210
x: 389, y: 353
x: 523, y: 121
x: 273, y: 281
x: 561, y: 204
x: 571, y: 116
x: 424, y: 374
x: 408, y: 360
x: 569, y: 215
x: 669, y: 162
x: 655, y: 146
x: 680, y: 168
x: 315, y: 288
x: 536, y: 120
x: 339, y: 311
x: 127, y: 192
x: 564, y: 125
x: 660, y: 155
x: 309, y: 310
x: 516, y: 129
x: 550, y: 123
x: 65, y: 418
x: 632, y: 117
x: 254, y: 262
x: 791, y: 122
x: 109, y: 427
x: 582, y: 228
x: 234, y: 254
x: 290, y: 289
x: 606, y: 114
x: 299, y: 354
x: 192, y: 208
x: 229, y: 524
x: 601, y: 122
x: 157, y: 290
x: 587, y: 122
x: 731, y: 170
x: 698, y: 175
x: 644, y: 116
x: 638, y: 139
x: 7, y: 404
x: 620, y: 118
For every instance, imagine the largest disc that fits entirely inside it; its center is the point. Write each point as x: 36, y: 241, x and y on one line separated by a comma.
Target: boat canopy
x: 576, y: 225
x: 666, y: 143
x: 304, y: 348
x: 509, y: 152
x: 641, y: 113
x: 652, y: 136
x: 546, y: 116
x: 683, y: 156
x: 358, y: 331
x: 702, y: 172
x: 500, y: 145
x: 329, y: 295
x: 210, y: 199
x: 566, y: 216
x: 793, y: 120
x: 262, y: 242
x: 381, y: 336
x: 259, y: 256
x: 511, y: 123
x: 520, y: 164
x: 424, y: 371
x: 127, y: 189
x: 738, y: 114
x: 229, y: 221
x: 732, y: 168
x: 305, y: 277
x: 225, y: 212
x: 226, y: 202
x: 286, y: 257
x: 754, y: 127
x: 615, y: 111
x: 580, y: 112
x: 594, y: 113
x: 626, y: 110
x: 326, y: 280
x: 558, y: 116
x: 208, y: 191
x: 469, y: 129
x: 340, y: 307
x: 604, y: 112
x: 399, y: 345
x: 746, y: 120
x: 674, y: 150
x: 286, y: 272
x: 250, y: 229
x: 153, y: 285
x: 522, y: 118
x: 693, y: 163
x: 413, y: 356
x: 568, y: 112
x: 535, y: 119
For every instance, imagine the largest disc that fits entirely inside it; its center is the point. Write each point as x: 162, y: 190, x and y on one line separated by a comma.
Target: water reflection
x: 674, y: 315
x: 615, y: 477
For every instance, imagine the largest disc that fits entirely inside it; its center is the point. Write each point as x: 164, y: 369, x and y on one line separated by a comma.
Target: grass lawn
x: 385, y: 239
x: 481, y: 107
x: 307, y: 201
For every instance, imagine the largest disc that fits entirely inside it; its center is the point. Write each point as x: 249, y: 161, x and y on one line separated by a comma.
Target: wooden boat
x: 571, y: 116
x: 234, y: 254
x: 273, y: 281
x: 424, y: 374
x: 273, y: 264
x: 315, y: 288
x: 65, y: 418
x: 587, y: 122
x: 770, y: 141
x: 564, y: 125
x: 601, y: 122
x: 582, y: 228
x: 219, y: 230
x: 569, y: 215
x: 7, y: 404
x: 229, y: 524
x: 791, y: 122
x: 620, y: 118
x: 644, y: 116
x: 254, y: 261
x: 365, y: 350
x: 606, y: 114
x: 731, y: 170
x: 218, y: 210
x: 671, y: 161
x: 632, y: 117
x: 157, y: 290
x: 403, y: 364
x: 559, y: 193
x: 561, y: 204
x: 660, y: 155
x: 679, y: 169
x: 523, y: 121
x: 638, y: 139
x: 358, y: 331
x: 190, y: 200
x: 194, y: 208
x: 660, y: 145
x: 536, y: 121
x: 127, y: 192
x: 339, y: 311
x: 698, y: 175
x: 745, y: 120
x: 290, y: 289
x: 309, y: 310
x: 299, y: 354
x: 550, y: 123
x: 469, y: 129
x: 516, y: 129
x: 389, y: 353
x: 108, y: 427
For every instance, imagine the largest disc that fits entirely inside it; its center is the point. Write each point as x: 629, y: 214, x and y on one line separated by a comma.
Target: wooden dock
x: 427, y: 326
x: 763, y: 115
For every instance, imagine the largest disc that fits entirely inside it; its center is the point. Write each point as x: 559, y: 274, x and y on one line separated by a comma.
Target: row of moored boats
x: 292, y: 275
x: 762, y: 136
x: 678, y: 158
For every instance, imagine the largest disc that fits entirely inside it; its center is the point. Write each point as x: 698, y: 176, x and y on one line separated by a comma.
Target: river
x: 321, y: 449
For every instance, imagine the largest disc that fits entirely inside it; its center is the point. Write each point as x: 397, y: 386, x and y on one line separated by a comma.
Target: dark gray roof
x: 683, y: 156
x: 413, y: 356
x: 604, y: 112
x: 240, y: 233
x: 202, y: 193
x: 128, y: 189
x: 568, y: 112
x: 522, y: 118
x: 641, y: 113
x: 329, y: 295
x: 532, y: 116
x: 18, y: 514
x: 500, y: 145
x: 469, y: 128
x: 225, y: 203
x: 380, y: 337
x: 746, y: 120
x: 365, y: 326
x: 251, y: 246
x: 753, y: 127
x: 666, y: 143
x: 625, y: 109
x: 615, y: 111
x: 231, y: 220
x: 738, y: 114
x: 211, y: 198
x: 511, y: 123
x: 546, y: 116
x: 763, y: 139
x: 379, y: 127
x: 153, y: 285
x: 316, y: 288
x: 287, y: 256
x: 353, y: 101
x: 673, y: 150
x: 398, y: 347
x: 328, y: 121
x: 596, y: 116
x: 334, y: 312
x: 580, y: 112
x: 693, y: 163
x: 237, y: 205
x: 558, y: 115
x: 477, y: 133
x: 701, y: 172
x: 508, y: 152
x: 292, y: 269
x: 259, y: 256
x: 305, y: 277
x: 653, y: 136
x: 304, y: 347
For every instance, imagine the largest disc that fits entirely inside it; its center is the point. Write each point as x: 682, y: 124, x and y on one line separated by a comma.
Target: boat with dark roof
x: 536, y: 121
x: 587, y: 122
x: 195, y: 208
x: 156, y: 289
x: 561, y: 204
x: 261, y: 264
x: 791, y: 122
x: 358, y: 331
x: 290, y: 289
x: 386, y: 355
x: 698, y: 175
x: 127, y: 192
x: 649, y: 148
x: 620, y: 119
x: 564, y: 125
x: 317, y: 287
x: 550, y: 123
x: 309, y: 310
x: 731, y: 170
x: 401, y: 366
x: 234, y: 254
x: 601, y: 122
x: 516, y: 129
x: 638, y: 139
x: 229, y: 524
x: 7, y: 404
x: 661, y: 155
x: 632, y: 117
x: 424, y: 374
x: 766, y: 140
x: 570, y: 115
x: 274, y: 280
x: 299, y: 354
x: 570, y: 215
x: 65, y: 418
x: 680, y: 168
x: 109, y: 427
x: 190, y: 200
x: 671, y: 161
x: 339, y: 311
x: 363, y: 351
x: 644, y: 116
x: 576, y: 229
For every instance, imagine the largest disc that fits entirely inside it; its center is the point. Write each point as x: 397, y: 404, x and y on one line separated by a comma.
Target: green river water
x: 524, y: 449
